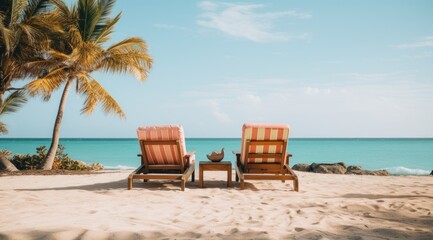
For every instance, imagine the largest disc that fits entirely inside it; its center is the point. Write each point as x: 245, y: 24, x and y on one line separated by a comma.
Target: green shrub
x: 61, y: 160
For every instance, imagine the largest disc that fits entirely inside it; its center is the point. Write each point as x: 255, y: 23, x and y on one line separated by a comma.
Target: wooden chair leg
x: 242, y: 184
x: 296, y: 185
x: 130, y: 178
x: 182, y: 184
x: 193, y: 176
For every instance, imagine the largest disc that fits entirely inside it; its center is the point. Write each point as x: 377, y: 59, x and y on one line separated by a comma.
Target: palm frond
x: 13, y: 102
x: 130, y: 43
x: 16, y: 11
x: 137, y: 64
x: 6, y: 38
x: 106, y: 6
x: 34, y: 7
x: 3, y: 129
x: 87, y: 56
x: 75, y: 38
x: 129, y: 55
x: 29, y: 33
x: 89, y: 14
x: 105, y: 24
x: 85, y: 88
x: 47, y: 84
x: 52, y: 24
x: 39, y: 67
x: 62, y: 7
x: 95, y: 94
x: 103, y: 31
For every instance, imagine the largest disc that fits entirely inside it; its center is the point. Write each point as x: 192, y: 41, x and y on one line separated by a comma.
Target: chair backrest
x: 264, y: 143
x: 162, y: 145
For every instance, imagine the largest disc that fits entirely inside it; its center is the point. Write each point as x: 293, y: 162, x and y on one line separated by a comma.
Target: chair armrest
x: 289, y: 155
x: 190, y: 157
x: 238, y: 156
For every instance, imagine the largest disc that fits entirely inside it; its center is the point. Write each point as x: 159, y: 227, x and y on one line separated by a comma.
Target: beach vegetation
x: 61, y: 160
x: 88, y: 26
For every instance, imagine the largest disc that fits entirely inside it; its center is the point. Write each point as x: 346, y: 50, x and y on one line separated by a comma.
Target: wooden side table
x: 215, y: 166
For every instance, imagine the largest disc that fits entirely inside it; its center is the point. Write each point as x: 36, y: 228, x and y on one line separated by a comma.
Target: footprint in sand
x: 298, y: 229
x: 366, y: 214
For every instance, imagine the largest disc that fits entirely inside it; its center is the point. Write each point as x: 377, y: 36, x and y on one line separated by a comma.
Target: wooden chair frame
x: 278, y: 170
x: 146, y: 171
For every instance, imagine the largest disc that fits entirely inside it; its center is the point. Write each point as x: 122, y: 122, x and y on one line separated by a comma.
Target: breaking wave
x: 406, y: 171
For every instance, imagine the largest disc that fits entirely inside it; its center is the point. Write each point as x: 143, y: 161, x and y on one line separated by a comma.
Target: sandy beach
x: 98, y: 206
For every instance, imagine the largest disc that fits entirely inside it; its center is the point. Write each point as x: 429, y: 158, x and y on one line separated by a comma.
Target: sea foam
x: 406, y: 171
x: 118, y: 167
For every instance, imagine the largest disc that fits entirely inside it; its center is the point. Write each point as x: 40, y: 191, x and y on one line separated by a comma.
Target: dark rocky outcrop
x: 301, y: 167
x: 337, y: 168
x: 431, y: 172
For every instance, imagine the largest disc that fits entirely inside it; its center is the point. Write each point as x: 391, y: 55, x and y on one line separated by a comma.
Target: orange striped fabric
x: 252, y: 131
x: 163, y: 154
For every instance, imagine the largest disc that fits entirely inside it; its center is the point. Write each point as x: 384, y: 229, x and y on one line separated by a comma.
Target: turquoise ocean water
x: 399, y: 156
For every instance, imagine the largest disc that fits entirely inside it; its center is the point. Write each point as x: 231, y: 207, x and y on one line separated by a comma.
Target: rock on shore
x: 337, y: 168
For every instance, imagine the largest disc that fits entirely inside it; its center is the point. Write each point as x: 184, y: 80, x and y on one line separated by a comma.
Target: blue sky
x: 327, y: 68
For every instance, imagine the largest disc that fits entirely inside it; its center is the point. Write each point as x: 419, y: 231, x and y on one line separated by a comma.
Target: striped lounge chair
x: 163, y: 155
x: 263, y: 154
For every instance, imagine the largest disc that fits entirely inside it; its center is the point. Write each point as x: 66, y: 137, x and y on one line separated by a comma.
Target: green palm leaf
x: 34, y: 7
x: 10, y: 105
x: 13, y: 102
x: 102, y: 32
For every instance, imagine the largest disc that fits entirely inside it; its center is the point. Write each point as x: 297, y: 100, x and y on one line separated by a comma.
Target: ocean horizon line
x: 223, y: 138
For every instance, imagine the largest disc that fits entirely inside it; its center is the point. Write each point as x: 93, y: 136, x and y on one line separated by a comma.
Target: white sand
x: 328, y: 206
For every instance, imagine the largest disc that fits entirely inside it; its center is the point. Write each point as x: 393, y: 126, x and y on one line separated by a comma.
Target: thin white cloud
x: 246, y: 22
x: 426, y: 42
x: 213, y: 106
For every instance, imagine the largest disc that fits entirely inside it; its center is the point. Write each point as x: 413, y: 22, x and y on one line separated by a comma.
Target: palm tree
x: 11, y: 104
x: 25, y: 29
x: 90, y: 27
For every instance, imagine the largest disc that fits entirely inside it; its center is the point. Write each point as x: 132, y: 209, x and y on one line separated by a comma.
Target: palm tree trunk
x: 7, y: 165
x: 49, y: 160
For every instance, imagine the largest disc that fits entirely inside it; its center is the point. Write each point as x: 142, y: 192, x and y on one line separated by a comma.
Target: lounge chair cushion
x: 251, y: 131
x: 163, y: 154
